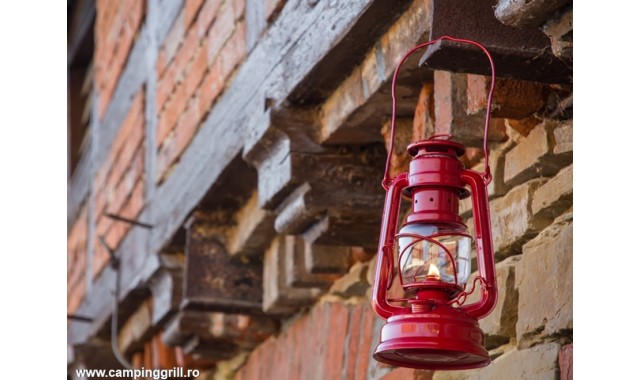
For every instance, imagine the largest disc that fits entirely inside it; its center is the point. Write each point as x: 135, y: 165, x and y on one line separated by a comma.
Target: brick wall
x: 325, y: 343
x: 117, y: 26
x: 316, y: 321
x: 204, y: 46
x: 529, y: 333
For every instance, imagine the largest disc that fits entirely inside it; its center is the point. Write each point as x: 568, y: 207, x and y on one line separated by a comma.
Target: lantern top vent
x: 436, y: 144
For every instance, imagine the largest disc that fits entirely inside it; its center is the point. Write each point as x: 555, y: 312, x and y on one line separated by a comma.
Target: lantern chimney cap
x: 436, y: 145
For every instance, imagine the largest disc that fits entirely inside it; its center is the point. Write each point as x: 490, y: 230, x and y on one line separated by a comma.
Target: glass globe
x: 422, y: 260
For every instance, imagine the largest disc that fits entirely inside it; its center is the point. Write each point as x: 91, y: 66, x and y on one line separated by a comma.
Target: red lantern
x: 431, y: 327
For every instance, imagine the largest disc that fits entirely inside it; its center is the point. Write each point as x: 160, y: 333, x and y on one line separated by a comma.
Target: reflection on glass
x: 423, y: 259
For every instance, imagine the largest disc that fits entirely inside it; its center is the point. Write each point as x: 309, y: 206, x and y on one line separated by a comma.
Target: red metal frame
x: 431, y: 333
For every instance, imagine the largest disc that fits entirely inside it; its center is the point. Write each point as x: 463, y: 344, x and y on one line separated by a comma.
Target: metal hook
x: 114, y: 262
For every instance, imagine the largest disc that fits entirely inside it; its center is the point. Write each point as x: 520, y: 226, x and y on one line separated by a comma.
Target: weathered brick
x: 124, y: 30
x: 338, y: 324
x: 512, y: 99
x: 163, y: 90
x: 207, y: 14
x: 563, y: 136
x: 539, y: 362
x: 136, y: 201
x: 408, y: 374
x: 130, y: 150
x: 523, y: 126
x: 321, y: 322
x: 136, y: 14
x: 235, y: 49
x: 116, y: 233
x: 566, y: 362
x: 555, y: 196
x: 134, y: 171
x: 367, y: 340
x: 534, y: 156
x: 400, y: 158
x: 168, y: 118
x: 496, y: 187
x: 195, y: 72
x: 500, y: 326
x: 423, y: 119
x: 220, y: 31
x: 352, y: 341
x: 75, y: 296
x: 353, y: 283
x: 186, y: 128
x: 513, y: 221
x: 211, y: 86
x: 450, y: 102
x: 191, y: 8
x: 238, y: 8
x: 544, y: 281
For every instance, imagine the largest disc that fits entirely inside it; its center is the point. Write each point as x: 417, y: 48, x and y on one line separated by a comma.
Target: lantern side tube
x: 385, y: 265
x: 484, y: 246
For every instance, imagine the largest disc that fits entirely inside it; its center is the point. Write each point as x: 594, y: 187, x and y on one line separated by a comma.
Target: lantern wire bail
x: 386, y: 181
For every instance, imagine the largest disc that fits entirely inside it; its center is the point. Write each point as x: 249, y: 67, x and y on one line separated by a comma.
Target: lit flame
x: 433, y: 271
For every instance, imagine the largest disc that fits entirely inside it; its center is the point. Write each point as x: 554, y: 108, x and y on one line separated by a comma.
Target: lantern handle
x: 384, y: 264
x: 484, y: 246
x: 486, y: 176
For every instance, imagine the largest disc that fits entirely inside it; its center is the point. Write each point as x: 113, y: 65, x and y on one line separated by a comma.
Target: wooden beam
x: 517, y: 53
x: 213, y: 279
x: 347, y: 51
x: 217, y: 335
x: 279, y: 297
x: 527, y: 13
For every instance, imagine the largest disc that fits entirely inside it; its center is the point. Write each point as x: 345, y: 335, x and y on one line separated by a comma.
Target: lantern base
x: 442, y: 339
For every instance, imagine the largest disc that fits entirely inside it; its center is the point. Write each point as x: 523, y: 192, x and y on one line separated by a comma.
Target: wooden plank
x: 166, y: 287
x: 256, y: 21
x: 253, y: 230
x: 78, y: 187
x: 150, y: 106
